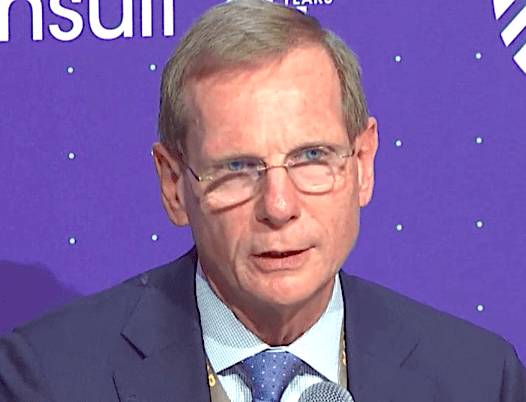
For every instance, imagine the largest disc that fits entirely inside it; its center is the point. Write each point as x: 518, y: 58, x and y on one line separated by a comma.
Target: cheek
x: 232, y: 228
x: 341, y: 223
x: 223, y: 234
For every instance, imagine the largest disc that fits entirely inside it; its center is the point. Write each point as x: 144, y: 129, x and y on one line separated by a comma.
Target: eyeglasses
x: 312, y: 170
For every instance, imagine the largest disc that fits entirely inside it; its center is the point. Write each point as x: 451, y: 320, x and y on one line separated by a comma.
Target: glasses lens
x: 229, y: 190
x: 313, y: 177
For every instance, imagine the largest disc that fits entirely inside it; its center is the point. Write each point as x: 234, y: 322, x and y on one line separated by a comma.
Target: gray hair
x: 244, y: 33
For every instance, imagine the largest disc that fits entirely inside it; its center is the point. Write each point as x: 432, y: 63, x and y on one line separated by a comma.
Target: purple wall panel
x: 454, y: 81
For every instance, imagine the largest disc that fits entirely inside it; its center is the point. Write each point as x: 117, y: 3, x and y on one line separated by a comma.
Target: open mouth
x: 277, y: 254
x: 278, y: 260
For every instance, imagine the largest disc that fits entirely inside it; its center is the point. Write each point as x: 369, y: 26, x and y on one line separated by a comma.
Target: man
x: 269, y: 161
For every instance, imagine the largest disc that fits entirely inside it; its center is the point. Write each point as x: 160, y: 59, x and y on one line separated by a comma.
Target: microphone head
x: 325, y: 391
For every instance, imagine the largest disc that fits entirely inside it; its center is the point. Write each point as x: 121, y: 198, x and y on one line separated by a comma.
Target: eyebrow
x: 305, y: 145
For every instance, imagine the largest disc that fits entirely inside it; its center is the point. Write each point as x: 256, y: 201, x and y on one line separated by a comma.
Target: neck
x: 279, y: 325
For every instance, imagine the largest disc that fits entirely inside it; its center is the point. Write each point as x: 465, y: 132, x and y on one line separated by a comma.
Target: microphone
x: 326, y: 391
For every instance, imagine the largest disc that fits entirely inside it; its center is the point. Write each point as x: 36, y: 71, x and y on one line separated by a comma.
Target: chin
x: 289, y: 290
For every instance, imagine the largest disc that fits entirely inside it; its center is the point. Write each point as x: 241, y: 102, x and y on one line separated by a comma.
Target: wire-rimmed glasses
x: 313, y: 170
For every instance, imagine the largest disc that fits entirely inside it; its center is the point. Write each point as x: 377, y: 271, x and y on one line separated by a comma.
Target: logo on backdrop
x: 509, y: 34
x: 124, y: 29
x: 302, y: 5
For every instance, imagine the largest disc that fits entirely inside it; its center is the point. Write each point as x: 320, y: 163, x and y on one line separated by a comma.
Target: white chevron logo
x: 513, y: 29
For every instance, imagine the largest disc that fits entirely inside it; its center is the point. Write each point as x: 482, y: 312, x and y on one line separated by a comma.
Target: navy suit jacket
x: 142, y: 341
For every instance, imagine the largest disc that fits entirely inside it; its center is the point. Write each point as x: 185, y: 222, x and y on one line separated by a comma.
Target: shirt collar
x: 227, y: 341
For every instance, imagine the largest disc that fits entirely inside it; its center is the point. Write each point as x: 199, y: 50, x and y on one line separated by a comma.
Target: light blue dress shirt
x: 227, y: 342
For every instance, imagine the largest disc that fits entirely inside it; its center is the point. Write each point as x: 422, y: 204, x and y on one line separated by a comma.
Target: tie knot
x: 269, y: 373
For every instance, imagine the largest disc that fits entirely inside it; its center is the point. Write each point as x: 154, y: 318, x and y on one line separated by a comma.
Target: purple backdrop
x: 80, y: 206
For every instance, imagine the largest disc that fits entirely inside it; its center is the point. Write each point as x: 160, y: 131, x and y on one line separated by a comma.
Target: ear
x: 366, y: 147
x: 170, y: 174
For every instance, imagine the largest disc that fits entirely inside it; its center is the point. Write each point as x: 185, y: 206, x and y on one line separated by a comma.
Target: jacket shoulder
x: 419, y: 317
x: 456, y: 355
x: 81, y: 343
x: 107, y: 310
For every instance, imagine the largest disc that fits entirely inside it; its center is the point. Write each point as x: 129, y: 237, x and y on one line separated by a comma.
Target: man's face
x: 267, y: 112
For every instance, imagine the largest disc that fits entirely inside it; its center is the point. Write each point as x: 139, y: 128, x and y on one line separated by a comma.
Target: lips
x: 275, y: 260
x: 280, y: 254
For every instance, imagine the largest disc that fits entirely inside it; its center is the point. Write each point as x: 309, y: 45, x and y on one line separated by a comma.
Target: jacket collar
x: 380, y: 342
x: 165, y: 330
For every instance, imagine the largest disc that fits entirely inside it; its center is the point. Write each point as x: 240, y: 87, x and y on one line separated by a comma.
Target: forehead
x: 271, y: 108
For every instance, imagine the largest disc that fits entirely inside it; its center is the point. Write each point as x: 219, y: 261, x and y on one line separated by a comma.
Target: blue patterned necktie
x: 268, y: 374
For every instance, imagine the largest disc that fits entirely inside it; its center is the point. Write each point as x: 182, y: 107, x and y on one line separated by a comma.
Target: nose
x: 278, y: 201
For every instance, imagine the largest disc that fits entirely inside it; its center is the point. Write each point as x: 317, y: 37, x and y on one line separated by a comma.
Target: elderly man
x: 269, y: 160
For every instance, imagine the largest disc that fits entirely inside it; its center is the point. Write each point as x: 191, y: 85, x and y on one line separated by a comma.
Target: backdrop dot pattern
x: 80, y: 205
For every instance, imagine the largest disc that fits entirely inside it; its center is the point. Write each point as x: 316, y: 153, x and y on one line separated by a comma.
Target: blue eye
x: 313, y: 154
x: 240, y: 165
x: 235, y: 166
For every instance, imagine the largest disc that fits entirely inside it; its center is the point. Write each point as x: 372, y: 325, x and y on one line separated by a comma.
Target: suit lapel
x: 165, y: 330
x: 378, y: 344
